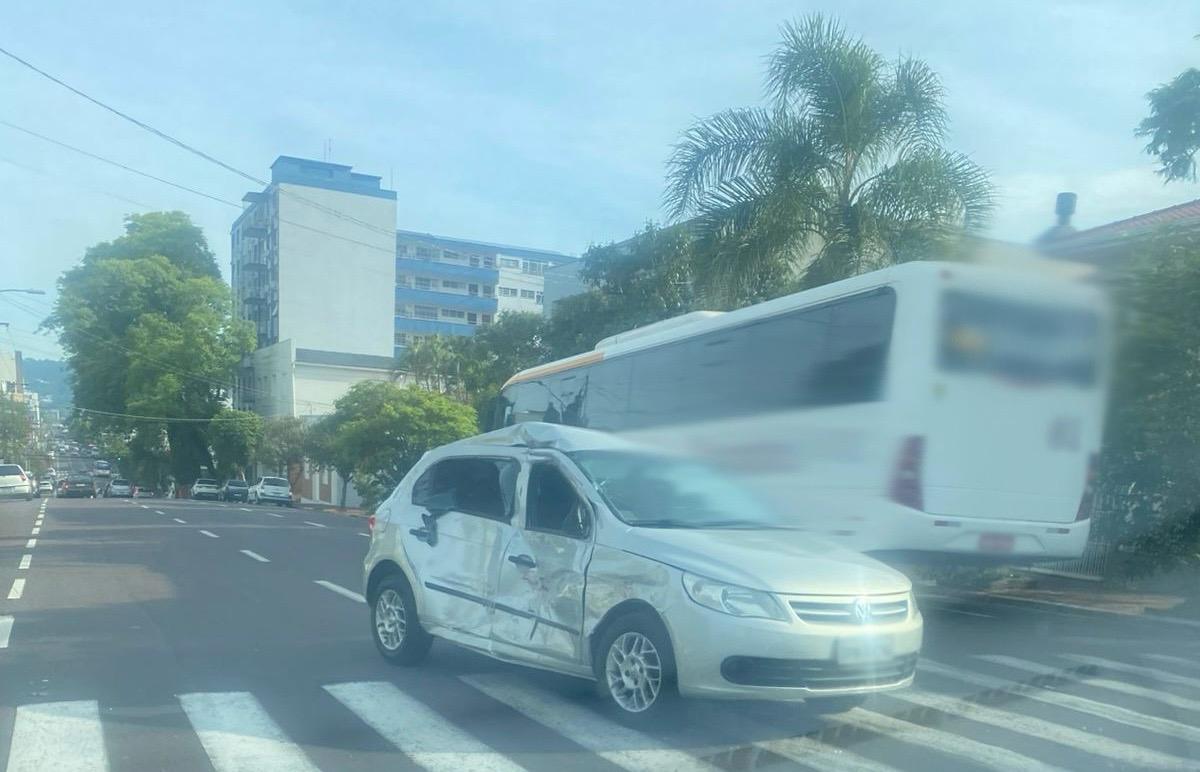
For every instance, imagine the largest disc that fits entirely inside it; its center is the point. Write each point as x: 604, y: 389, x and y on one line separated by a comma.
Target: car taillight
x: 23, y: 475
x: 371, y: 523
x: 906, y: 477
x: 1089, y: 489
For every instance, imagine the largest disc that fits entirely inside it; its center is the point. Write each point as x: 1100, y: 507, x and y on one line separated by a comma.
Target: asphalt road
x: 155, y: 634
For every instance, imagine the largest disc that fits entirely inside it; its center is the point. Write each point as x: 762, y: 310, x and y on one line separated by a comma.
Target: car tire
x: 634, y: 666
x: 830, y: 705
x: 395, y: 626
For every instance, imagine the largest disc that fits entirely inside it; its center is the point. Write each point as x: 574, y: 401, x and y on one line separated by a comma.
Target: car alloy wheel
x: 633, y: 670
x: 391, y: 621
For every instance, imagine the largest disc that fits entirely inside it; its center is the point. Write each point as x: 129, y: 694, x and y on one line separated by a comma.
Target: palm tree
x: 844, y: 171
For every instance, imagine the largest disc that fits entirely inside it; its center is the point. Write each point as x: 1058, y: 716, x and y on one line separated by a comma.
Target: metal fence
x: 1092, y: 566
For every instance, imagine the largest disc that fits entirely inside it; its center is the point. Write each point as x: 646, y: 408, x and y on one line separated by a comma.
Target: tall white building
x: 312, y: 269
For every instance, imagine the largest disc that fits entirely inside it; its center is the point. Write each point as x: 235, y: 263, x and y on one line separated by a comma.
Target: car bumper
x: 275, y: 498
x: 15, y: 493
x: 723, y: 657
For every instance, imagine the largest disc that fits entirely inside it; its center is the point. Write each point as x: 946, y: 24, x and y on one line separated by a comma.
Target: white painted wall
x: 515, y: 279
x: 336, y: 294
x: 272, y: 367
x: 318, y: 386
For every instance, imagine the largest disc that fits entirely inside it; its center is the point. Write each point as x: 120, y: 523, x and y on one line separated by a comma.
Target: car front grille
x: 816, y: 674
x: 880, y: 609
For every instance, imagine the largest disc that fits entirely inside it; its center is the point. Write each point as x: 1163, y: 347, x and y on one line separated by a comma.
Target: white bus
x: 929, y: 409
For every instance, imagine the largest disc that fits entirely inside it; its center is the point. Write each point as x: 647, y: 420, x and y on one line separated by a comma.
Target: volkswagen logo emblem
x: 862, y: 610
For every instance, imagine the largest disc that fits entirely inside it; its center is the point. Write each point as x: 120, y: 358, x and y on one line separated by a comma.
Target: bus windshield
x: 655, y: 491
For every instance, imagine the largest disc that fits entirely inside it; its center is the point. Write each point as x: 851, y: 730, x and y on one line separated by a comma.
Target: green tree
x: 151, y: 334
x: 378, y: 430
x: 1152, y: 440
x: 843, y: 172
x: 235, y: 436
x: 1173, y: 126
x: 15, y: 430
x: 283, y: 446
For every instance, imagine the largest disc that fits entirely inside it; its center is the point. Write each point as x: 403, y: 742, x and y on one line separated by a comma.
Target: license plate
x: 863, y: 650
x: 996, y: 542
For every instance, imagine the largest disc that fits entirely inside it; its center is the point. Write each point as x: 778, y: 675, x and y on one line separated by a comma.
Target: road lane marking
x: 314, y: 525
x: 351, y: 594
x: 63, y: 736
x: 637, y: 751
x: 6, y: 625
x: 181, y: 522
x: 158, y: 512
x: 1173, y: 661
x: 237, y: 734
x: 254, y: 556
x: 36, y: 530
x: 1146, y: 672
x: 273, y: 514
x: 1132, y: 755
x: 991, y: 756
x: 818, y: 755
x: 360, y: 533
x: 246, y: 509
x: 144, y: 506
x: 422, y: 734
x: 31, y: 544
x: 18, y: 589
x: 209, y: 534
x: 1115, y: 713
x: 25, y: 561
x: 1133, y: 690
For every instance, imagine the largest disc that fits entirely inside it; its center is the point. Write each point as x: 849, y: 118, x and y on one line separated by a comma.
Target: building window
x: 474, y: 261
x: 449, y: 255
x: 472, y: 289
x: 539, y: 298
x: 528, y: 294
x: 533, y: 267
x: 472, y: 318
x: 425, y: 312
x: 488, y: 290
x: 447, y: 284
x: 509, y: 262
x: 404, y: 280
x: 453, y: 313
x: 424, y: 253
x: 402, y: 339
x: 508, y: 292
x: 423, y: 283
x: 485, y: 319
x: 404, y: 310
x: 489, y: 261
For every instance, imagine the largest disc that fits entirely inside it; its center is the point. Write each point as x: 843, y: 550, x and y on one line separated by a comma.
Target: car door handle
x: 524, y: 561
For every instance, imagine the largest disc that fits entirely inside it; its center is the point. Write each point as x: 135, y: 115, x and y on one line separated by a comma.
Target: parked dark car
x: 77, y: 486
x: 235, y: 490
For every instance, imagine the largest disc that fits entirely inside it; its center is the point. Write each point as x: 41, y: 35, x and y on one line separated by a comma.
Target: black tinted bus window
x: 530, y: 402
x: 854, y: 362
x: 606, y: 403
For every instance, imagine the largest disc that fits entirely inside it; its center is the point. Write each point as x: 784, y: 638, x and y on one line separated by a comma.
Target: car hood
x: 778, y: 560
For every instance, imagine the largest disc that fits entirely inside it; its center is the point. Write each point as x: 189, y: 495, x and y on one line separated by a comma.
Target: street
x: 165, y: 634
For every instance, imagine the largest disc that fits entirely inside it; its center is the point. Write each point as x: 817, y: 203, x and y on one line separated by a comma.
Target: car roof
x: 535, y: 434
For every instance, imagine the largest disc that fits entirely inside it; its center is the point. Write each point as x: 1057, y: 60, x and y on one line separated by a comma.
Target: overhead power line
x: 156, y: 418
x: 191, y: 149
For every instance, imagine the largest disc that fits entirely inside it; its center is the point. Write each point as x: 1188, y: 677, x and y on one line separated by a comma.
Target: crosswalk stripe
x: 178, y: 520
x: 1163, y: 726
x: 340, y: 590
x: 1133, y: 755
x: 1133, y: 690
x: 239, y: 736
x: 209, y: 534
x: 254, y: 556
x: 6, y: 626
x: 585, y: 727
x: 818, y: 755
x: 1146, y: 672
x: 1175, y: 661
x: 63, y: 736
x: 422, y: 734
x: 982, y: 754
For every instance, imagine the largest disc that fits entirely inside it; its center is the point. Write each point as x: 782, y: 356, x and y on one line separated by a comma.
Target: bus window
x: 606, y: 402
x: 854, y: 361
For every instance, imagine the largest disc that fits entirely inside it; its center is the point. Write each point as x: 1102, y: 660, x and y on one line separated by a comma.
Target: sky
x: 541, y: 124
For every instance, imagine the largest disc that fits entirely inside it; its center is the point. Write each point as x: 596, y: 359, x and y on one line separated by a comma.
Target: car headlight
x: 732, y: 599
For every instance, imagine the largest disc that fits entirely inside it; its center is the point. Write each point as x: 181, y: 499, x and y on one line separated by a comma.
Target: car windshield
x: 275, y: 481
x: 656, y: 491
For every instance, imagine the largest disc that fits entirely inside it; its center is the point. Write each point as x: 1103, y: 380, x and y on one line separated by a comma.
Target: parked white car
x: 271, y: 490
x: 654, y: 575
x: 206, y: 488
x: 15, y: 483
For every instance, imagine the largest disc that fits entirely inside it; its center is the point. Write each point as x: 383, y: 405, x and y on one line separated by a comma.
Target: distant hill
x: 49, y: 378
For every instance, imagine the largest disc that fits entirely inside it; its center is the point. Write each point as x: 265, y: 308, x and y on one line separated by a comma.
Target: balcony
x: 447, y: 270
x: 446, y: 300
x: 431, y: 327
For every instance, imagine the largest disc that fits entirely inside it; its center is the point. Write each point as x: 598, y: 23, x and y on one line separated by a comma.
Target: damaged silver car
x: 654, y: 575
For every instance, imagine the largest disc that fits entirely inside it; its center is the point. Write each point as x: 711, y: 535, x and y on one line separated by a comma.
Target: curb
x: 1016, y: 600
